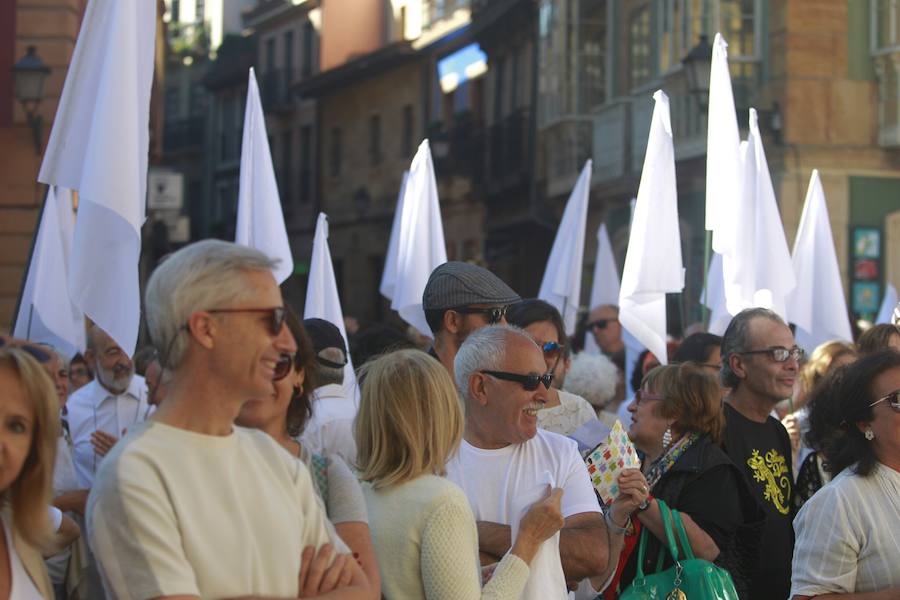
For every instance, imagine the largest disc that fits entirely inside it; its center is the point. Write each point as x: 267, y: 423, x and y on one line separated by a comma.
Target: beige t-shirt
x: 174, y: 512
x: 573, y: 412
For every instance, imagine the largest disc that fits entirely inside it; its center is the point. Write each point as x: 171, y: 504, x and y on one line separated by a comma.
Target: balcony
x: 276, y: 90
x: 183, y: 134
x: 567, y: 144
x: 508, y: 146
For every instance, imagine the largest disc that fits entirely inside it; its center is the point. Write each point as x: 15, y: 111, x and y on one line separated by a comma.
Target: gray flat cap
x: 456, y: 284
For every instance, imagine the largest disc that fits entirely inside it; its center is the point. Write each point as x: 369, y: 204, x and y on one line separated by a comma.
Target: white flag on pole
x: 322, y: 300
x: 817, y: 304
x: 653, y: 265
x: 260, y: 220
x: 605, y: 288
x: 46, y: 313
x: 561, y: 285
x: 714, y: 296
x: 421, y: 247
x: 888, y: 304
x: 389, y: 274
x: 99, y: 146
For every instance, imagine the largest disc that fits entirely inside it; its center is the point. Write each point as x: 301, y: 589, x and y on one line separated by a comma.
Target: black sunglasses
x: 600, y: 323
x: 529, y: 382
x: 277, y: 315
x: 494, y: 313
x: 779, y: 353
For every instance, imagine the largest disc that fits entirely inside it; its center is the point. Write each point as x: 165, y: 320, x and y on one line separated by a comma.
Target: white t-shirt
x: 174, y: 512
x: 848, y: 536
x: 502, y: 484
x: 330, y: 428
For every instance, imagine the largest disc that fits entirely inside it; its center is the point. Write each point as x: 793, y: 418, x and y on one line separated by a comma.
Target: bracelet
x: 613, y: 528
x: 645, y: 504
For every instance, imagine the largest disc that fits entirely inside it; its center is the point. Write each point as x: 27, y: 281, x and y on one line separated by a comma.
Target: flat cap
x: 455, y: 284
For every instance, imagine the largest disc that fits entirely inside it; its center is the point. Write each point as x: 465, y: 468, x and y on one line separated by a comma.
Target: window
x: 287, y: 169
x: 175, y: 11
x: 375, y: 140
x: 199, y: 10
x: 336, y: 151
x: 407, y: 141
x: 289, y: 56
x: 639, y: 47
x: 591, y: 58
x: 309, y: 39
x: 270, y: 54
x: 306, y: 170
x: 885, y: 36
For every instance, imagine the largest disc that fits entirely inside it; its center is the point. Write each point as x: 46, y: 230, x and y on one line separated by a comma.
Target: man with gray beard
x: 105, y: 409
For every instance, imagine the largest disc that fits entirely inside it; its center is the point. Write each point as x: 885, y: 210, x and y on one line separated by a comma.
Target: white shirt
x: 22, y: 587
x: 175, y: 512
x: 502, y: 484
x: 848, y: 536
x: 94, y: 408
x: 330, y: 429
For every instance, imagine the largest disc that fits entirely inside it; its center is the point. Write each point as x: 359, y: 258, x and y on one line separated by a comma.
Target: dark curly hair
x: 300, y: 409
x: 838, y: 403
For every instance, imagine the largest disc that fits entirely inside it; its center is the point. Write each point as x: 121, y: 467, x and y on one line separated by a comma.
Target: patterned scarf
x: 661, y: 465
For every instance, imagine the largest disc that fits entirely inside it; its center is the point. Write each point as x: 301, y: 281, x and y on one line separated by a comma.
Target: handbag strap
x: 682, y: 535
x: 642, y: 540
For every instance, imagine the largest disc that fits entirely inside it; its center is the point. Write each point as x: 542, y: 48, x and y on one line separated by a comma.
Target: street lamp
x: 697, y: 67
x: 29, y: 75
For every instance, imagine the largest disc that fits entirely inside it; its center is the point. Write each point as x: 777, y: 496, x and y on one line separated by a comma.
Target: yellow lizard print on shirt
x: 773, y: 471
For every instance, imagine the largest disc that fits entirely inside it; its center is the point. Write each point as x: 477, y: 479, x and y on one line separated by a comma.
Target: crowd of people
x: 230, y: 459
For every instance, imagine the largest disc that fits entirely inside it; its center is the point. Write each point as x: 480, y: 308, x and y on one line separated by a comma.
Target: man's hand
x: 102, y: 442
x: 317, y: 577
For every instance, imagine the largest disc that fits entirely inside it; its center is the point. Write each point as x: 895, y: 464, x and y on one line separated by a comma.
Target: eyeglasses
x: 277, y: 315
x: 893, y: 400
x: 779, y: 353
x: 552, y: 350
x: 494, y: 314
x: 601, y: 323
x: 283, y: 367
x: 529, y: 382
x: 644, y: 395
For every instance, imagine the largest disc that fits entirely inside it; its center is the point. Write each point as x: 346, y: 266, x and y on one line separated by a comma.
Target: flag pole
x: 707, y: 313
x: 37, y: 230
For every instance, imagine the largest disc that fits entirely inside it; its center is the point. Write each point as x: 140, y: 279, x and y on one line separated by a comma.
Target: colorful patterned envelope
x: 607, y: 460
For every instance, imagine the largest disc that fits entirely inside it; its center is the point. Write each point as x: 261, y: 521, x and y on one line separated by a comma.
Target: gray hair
x: 327, y: 375
x: 593, y: 377
x: 484, y: 348
x: 201, y: 276
x: 737, y: 339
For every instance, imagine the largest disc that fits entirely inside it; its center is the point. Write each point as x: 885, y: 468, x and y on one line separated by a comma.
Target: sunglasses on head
x: 601, y: 323
x: 893, y: 400
x: 277, y: 315
x: 779, y: 353
x: 529, y: 382
x: 494, y: 314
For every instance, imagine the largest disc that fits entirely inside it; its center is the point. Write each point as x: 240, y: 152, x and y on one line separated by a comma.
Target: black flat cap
x: 455, y: 284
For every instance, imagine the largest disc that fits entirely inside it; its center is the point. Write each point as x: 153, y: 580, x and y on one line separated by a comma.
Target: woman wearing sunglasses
x: 564, y: 412
x: 677, y: 423
x: 283, y: 416
x: 848, y: 533
x: 410, y: 422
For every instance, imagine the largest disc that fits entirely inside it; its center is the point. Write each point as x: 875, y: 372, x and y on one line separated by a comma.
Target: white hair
x: 201, y: 276
x: 483, y: 349
x: 593, y: 377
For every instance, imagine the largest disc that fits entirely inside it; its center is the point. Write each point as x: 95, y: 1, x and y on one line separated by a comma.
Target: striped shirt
x: 848, y: 536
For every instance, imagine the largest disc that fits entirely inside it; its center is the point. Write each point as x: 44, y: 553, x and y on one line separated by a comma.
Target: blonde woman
x: 29, y: 428
x: 410, y: 422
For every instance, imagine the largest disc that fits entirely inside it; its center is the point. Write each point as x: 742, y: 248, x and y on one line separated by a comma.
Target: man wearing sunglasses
x: 458, y: 299
x: 759, y: 364
x: 603, y: 322
x: 506, y: 463
x: 187, y: 505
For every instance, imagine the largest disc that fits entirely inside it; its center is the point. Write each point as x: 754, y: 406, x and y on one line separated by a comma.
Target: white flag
x: 605, y: 289
x: 322, y: 300
x: 817, y: 305
x: 99, y: 146
x: 46, y: 313
x: 260, y: 220
x: 653, y: 265
x: 888, y: 304
x: 713, y: 296
x: 421, y: 248
x: 561, y: 285
x: 389, y: 274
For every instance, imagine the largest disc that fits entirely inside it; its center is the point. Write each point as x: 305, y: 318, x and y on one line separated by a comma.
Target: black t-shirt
x: 762, y: 451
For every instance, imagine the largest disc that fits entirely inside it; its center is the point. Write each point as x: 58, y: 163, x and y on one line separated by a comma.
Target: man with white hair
x: 505, y: 463
x: 187, y: 505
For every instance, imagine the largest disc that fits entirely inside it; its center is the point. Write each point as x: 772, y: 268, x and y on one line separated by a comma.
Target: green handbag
x: 689, y: 579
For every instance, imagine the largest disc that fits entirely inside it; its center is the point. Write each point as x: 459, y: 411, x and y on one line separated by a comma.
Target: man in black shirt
x: 760, y: 364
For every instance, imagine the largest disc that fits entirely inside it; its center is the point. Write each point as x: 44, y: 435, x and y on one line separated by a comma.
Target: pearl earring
x: 870, y: 435
x: 667, y: 438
